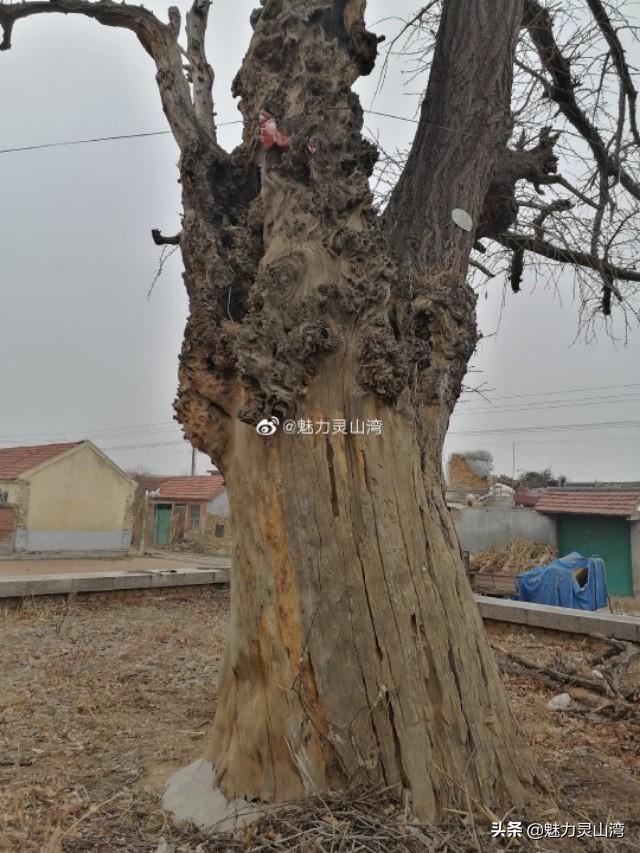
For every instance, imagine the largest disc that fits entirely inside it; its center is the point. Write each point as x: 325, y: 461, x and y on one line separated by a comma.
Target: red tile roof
x: 590, y: 502
x: 204, y: 488
x: 525, y: 499
x: 15, y: 461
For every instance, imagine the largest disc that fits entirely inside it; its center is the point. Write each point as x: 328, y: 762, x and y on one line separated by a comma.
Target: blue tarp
x: 561, y: 583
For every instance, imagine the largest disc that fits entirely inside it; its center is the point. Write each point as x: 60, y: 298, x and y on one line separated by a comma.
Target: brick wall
x: 219, y: 544
x: 7, y: 525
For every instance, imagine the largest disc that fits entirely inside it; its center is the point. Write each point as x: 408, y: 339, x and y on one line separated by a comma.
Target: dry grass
x: 102, y: 697
x: 518, y: 556
x: 99, y: 698
x: 461, y: 477
x: 625, y: 606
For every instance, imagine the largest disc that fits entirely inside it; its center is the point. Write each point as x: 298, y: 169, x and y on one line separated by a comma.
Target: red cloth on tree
x: 269, y: 133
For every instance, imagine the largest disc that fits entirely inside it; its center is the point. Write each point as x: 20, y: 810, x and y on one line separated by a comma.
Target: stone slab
x: 560, y: 618
x: 20, y: 587
x: 191, y: 796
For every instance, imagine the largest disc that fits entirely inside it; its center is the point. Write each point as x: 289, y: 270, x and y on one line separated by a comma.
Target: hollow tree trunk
x: 356, y: 652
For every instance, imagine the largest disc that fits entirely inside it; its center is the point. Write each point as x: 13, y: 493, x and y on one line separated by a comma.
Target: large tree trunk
x: 356, y: 652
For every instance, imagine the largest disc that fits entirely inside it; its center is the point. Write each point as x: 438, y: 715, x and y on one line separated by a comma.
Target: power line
x: 547, y: 441
x: 551, y: 428
x: 549, y: 406
x: 98, y: 139
x: 402, y: 118
x: 100, y: 432
x: 84, y: 141
x: 560, y: 391
x: 157, y: 427
x: 540, y: 428
x: 144, y: 445
x: 122, y: 136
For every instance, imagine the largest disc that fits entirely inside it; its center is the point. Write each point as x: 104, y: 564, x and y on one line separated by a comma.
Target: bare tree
x: 567, y: 193
x: 356, y: 652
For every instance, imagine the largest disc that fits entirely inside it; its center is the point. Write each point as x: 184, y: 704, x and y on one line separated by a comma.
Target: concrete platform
x: 560, y: 618
x: 20, y: 586
x: 162, y: 573
x: 38, y: 565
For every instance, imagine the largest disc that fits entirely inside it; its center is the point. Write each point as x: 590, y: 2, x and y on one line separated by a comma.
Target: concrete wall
x: 72, y: 540
x: 17, y: 496
x: 219, y: 505
x: 77, y: 503
x: 7, y: 527
x: 479, y: 529
x: 634, y: 530
x: 218, y: 544
x: 18, y: 499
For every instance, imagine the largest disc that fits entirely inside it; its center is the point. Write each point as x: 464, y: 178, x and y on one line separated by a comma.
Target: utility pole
x: 193, y: 461
x: 143, y: 536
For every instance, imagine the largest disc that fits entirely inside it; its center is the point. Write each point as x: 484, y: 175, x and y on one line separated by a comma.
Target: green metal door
x: 602, y: 536
x: 162, y: 524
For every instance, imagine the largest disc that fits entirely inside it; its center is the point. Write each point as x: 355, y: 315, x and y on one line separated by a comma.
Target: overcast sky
x: 85, y: 353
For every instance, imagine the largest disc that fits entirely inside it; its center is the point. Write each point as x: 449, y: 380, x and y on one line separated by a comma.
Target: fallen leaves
x: 96, y: 713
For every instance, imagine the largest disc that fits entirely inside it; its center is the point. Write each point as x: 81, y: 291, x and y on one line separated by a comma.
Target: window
x: 194, y: 516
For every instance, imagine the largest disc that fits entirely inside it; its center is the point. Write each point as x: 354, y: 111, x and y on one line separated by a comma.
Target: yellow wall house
x: 63, y: 497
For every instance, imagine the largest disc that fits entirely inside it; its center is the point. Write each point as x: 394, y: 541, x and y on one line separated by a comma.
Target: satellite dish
x: 462, y: 219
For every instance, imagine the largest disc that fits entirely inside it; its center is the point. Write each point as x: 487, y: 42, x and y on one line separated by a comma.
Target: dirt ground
x: 102, y: 696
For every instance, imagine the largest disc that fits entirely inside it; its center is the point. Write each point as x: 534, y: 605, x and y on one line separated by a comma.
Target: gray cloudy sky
x: 86, y: 354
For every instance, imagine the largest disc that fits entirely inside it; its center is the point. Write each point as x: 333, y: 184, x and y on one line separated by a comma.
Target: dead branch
x: 563, y: 182
x: 614, y: 645
x: 149, y: 30
x: 619, y: 59
x: 517, y: 269
x: 188, y: 122
x: 164, y: 257
x: 546, y: 211
x: 614, y: 662
x: 160, y: 240
x: 483, y: 269
x: 533, y: 165
x: 514, y: 241
x: 539, y: 24
x: 175, y: 20
x: 556, y: 675
x: 370, y: 821
x: 200, y: 70
x: 416, y: 20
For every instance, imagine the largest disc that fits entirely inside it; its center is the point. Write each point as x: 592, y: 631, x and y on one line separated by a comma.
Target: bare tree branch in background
x: 187, y: 113
x: 573, y: 197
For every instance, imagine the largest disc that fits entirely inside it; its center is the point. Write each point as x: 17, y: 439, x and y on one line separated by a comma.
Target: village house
x: 192, y: 509
x: 63, y: 498
x: 602, y: 520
